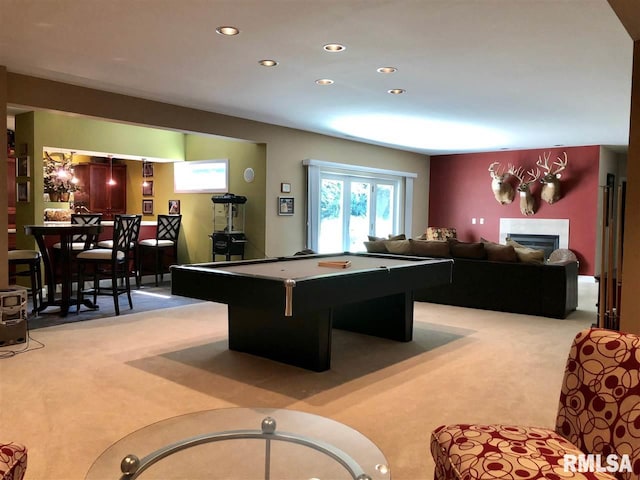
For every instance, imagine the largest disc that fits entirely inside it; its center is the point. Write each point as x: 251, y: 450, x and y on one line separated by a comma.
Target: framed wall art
x: 147, y: 207
x: 174, y: 207
x: 22, y: 166
x: 147, y: 169
x: 285, y: 206
x: 23, y: 192
x: 147, y: 188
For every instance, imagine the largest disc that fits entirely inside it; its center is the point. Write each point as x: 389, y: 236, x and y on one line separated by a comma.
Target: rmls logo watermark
x: 597, y: 463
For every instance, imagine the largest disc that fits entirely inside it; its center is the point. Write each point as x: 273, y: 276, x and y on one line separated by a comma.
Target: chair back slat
x: 168, y: 227
x: 600, y: 398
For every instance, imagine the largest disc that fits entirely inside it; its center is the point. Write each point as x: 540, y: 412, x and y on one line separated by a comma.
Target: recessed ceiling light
x: 268, y: 63
x: 387, y: 70
x: 227, y: 30
x: 324, y: 81
x: 334, y: 47
x: 397, y: 91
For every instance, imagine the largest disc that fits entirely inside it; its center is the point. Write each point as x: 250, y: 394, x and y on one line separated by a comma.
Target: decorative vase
x: 54, y: 196
x: 64, y: 196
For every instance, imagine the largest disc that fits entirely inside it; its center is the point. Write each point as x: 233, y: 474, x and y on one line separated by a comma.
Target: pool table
x: 284, y: 308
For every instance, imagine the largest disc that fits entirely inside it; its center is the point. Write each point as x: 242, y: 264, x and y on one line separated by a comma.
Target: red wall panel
x: 460, y: 189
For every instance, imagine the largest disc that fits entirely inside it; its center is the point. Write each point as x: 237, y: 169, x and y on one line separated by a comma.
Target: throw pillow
x: 376, y: 247
x: 473, y: 250
x: 440, y: 233
x: 526, y: 254
x: 399, y: 247
x: 373, y: 238
x: 397, y: 237
x: 429, y: 248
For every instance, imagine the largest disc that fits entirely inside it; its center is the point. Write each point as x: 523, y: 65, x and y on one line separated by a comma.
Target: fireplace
x: 546, y: 243
x: 544, y: 233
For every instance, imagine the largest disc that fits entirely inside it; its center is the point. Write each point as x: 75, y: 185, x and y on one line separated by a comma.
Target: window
x: 347, y: 203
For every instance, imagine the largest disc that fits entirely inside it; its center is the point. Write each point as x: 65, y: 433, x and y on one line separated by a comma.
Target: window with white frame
x: 347, y: 203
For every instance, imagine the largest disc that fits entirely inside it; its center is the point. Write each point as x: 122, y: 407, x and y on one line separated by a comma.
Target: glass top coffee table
x: 243, y: 443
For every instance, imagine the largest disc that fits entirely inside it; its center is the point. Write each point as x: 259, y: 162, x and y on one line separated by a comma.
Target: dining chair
x: 109, y: 263
x: 31, y: 259
x: 166, y: 239
x: 133, y: 250
x: 79, y: 242
x: 83, y: 241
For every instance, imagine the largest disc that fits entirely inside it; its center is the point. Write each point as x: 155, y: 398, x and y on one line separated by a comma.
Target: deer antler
x: 516, y: 172
x: 545, y: 165
x: 561, y: 165
x: 533, y: 175
x: 493, y: 171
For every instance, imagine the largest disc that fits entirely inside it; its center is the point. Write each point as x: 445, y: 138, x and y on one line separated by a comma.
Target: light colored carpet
x: 95, y: 382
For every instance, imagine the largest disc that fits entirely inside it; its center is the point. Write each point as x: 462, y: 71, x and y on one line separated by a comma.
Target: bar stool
x: 30, y: 258
x: 166, y: 239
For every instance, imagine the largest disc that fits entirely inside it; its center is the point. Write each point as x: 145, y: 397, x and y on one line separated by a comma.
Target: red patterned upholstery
x: 599, y: 413
x: 13, y: 461
x: 440, y: 233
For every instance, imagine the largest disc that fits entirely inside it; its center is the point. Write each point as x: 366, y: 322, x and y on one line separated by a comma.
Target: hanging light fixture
x: 111, y: 180
x: 144, y: 167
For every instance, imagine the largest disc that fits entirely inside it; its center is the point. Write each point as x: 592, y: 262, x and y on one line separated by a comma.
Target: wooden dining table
x: 64, y: 234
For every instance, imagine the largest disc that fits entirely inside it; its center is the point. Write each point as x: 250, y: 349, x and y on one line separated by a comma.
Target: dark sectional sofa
x: 548, y: 290
x: 481, y: 277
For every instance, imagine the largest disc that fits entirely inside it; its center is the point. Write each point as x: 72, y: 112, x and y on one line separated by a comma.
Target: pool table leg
x: 388, y: 317
x: 303, y: 341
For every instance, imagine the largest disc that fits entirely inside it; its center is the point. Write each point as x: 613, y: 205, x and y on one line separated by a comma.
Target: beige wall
x: 285, y: 148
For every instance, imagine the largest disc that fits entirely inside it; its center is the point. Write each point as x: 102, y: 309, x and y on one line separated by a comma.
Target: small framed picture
x: 23, y: 192
x: 174, y: 207
x: 147, y: 188
x: 147, y: 169
x: 147, y: 207
x: 285, y: 205
x: 22, y: 166
x: 285, y: 187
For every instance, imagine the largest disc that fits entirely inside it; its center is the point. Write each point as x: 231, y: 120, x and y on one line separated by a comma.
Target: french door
x: 353, y: 207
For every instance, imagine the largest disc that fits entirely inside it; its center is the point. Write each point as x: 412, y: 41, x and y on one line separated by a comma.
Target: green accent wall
x: 40, y: 129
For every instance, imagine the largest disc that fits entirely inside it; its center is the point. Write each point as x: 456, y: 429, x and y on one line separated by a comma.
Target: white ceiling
x: 539, y: 72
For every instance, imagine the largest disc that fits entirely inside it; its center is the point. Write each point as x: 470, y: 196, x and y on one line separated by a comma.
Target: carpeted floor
x: 147, y: 297
x: 96, y: 381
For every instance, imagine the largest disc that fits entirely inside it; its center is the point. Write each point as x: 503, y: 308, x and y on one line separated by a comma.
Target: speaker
x: 13, y: 319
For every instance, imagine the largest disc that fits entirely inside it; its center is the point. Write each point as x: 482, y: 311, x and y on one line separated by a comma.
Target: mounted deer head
x: 502, y: 190
x: 551, y: 180
x: 527, y: 202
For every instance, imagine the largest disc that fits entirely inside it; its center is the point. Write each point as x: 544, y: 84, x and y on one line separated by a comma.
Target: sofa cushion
x: 399, y: 247
x: 473, y: 250
x: 429, y: 248
x: 499, y: 253
x: 526, y: 254
x: 377, y: 246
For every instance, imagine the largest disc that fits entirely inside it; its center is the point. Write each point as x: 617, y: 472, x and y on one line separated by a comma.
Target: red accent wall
x: 460, y: 189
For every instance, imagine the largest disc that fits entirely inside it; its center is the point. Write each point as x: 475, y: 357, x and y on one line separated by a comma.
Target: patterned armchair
x: 13, y: 461
x: 599, y: 413
x: 440, y: 233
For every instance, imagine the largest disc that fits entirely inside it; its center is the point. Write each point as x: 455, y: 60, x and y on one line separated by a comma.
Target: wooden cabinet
x: 94, y: 191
